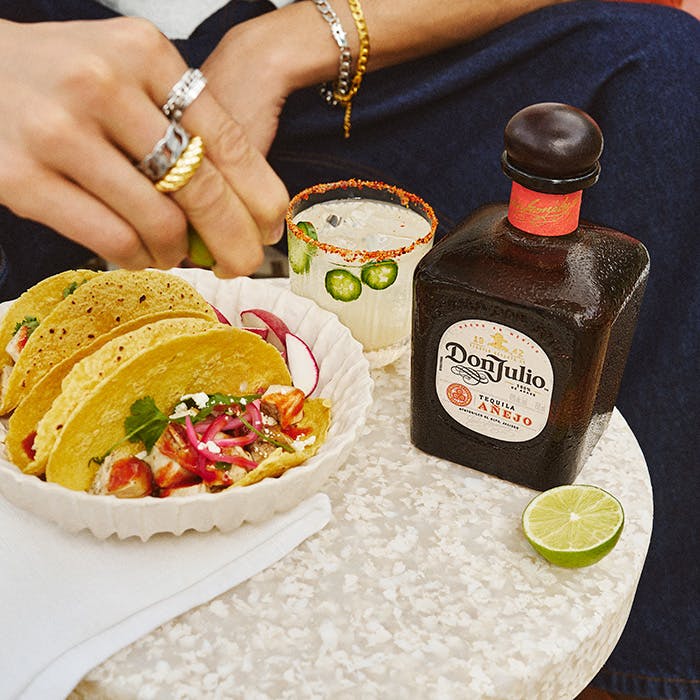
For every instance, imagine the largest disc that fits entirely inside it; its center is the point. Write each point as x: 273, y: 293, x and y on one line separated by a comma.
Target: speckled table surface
x: 421, y: 586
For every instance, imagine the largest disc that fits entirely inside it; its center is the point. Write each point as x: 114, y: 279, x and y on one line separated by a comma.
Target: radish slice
x: 262, y: 332
x: 277, y: 328
x: 220, y: 316
x: 302, y: 364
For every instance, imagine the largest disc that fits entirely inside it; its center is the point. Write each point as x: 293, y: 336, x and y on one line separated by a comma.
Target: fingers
x: 242, y: 165
x: 66, y: 207
x: 95, y: 164
x: 94, y: 112
x: 235, y: 200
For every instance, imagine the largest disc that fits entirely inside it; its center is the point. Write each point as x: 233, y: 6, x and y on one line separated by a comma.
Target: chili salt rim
x: 404, y: 198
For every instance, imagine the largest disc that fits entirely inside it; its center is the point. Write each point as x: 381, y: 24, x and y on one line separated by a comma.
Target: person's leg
x: 30, y: 252
x: 436, y: 127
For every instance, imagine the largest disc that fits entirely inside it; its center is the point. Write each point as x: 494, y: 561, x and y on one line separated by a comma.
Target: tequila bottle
x: 523, y: 315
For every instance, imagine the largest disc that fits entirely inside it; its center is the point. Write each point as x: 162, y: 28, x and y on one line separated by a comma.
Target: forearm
x: 298, y: 40
x: 259, y: 63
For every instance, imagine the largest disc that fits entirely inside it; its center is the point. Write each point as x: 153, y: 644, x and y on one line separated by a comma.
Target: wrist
x: 296, y: 43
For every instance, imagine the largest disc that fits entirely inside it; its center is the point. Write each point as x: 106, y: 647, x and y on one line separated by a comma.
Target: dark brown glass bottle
x: 523, y: 315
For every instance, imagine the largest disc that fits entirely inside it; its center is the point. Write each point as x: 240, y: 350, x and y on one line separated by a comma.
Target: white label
x: 494, y: 380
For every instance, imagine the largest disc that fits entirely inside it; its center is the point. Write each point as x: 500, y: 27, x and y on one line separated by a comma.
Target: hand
x: 80, y: 104
x: 249, y: 82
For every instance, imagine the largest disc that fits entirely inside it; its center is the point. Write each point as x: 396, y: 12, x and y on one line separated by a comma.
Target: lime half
x: 198, y: 252
x: 574, y: 525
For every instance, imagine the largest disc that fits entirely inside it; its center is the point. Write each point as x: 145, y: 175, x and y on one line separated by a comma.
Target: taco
x: 33, y: 426
x: 104, y: 306
x: 29, y: 310
x: 196, y: 411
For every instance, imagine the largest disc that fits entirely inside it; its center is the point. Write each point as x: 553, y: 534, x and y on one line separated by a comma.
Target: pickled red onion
x: 204, y: 455
x: 216, y: 425
x: 247, y: 464
x: 253, y: 411
x: 240, y: 441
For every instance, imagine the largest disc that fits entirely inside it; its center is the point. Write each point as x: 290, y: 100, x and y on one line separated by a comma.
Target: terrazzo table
x: 421, y: 586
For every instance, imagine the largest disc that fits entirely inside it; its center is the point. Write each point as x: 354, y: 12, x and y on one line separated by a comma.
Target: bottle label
x: 544, y: 214
x: 494, y: 380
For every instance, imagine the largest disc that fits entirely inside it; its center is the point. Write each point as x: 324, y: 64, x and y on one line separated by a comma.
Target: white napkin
x: 68, y: 602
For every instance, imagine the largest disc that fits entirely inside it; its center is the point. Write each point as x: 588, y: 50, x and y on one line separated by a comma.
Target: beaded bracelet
x: 342, y: 84
x: 346, y: 99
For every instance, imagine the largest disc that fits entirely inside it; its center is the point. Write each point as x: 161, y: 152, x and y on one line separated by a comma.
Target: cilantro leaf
x: 72, y: 287
x: 145, y: 423
x: 31, y: 322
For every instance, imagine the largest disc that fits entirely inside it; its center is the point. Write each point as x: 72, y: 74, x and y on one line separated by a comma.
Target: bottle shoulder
x: 588, y: 274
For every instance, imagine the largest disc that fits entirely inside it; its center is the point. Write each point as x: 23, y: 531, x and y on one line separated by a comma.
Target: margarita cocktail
x: 353, y: 247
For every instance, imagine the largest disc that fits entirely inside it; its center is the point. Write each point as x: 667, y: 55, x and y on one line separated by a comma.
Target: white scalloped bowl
x: 344, y: 379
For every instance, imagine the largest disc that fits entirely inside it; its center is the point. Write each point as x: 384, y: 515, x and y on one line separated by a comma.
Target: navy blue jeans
x: 435, y: 127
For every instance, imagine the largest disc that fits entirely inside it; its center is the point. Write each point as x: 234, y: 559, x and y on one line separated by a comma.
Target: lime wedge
x: 198, y: 252
x: 574, y: 525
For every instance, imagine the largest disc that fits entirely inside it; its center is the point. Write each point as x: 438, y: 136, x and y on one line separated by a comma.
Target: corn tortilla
x: 39, y: 301
x: 89, y: 372
x: 224, y: 359
x: 37, y: 402
x: 120, y: 299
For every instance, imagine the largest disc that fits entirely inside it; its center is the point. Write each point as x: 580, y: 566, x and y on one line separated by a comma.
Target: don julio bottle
x: 523, y: 315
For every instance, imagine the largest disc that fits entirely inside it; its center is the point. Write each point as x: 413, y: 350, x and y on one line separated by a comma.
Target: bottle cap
x: 552, y: 148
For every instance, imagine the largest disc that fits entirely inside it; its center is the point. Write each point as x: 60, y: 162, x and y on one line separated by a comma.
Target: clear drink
x: 353, y: 247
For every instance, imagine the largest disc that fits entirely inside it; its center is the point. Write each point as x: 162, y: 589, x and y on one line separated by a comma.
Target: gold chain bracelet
x: 342, y: 84
x: 345, y: 99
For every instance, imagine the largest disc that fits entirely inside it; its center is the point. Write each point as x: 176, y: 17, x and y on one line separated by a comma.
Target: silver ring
x: 184, y: 93
x: 165, y: 153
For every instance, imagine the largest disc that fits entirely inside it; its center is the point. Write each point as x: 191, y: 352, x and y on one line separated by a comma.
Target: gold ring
x: 185, y: 167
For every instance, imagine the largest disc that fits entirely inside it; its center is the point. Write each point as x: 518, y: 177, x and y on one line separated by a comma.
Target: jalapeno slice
x: 343, y: 285
x: 379, y: 275
x: 301, y: 252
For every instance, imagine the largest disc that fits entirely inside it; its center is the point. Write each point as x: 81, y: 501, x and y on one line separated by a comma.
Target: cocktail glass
x: 353, y: 247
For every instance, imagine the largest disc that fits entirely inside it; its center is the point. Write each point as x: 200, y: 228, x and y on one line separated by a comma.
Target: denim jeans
x: 435, y: 127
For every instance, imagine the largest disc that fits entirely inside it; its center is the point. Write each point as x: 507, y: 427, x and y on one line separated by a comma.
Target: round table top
x: 422, y: 585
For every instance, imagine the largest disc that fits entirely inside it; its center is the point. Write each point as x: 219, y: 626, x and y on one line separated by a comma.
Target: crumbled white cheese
x: 181, y: 410
x: 200, y: 399
x: 299, y: 445
x: 141, y: 455
x: 211, y: 446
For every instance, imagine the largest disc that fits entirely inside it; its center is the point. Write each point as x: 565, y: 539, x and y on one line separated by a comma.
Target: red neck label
x: 544, y: 214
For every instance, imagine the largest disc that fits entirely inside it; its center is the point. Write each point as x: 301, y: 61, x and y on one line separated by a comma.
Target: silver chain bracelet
x: 342, y: 84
